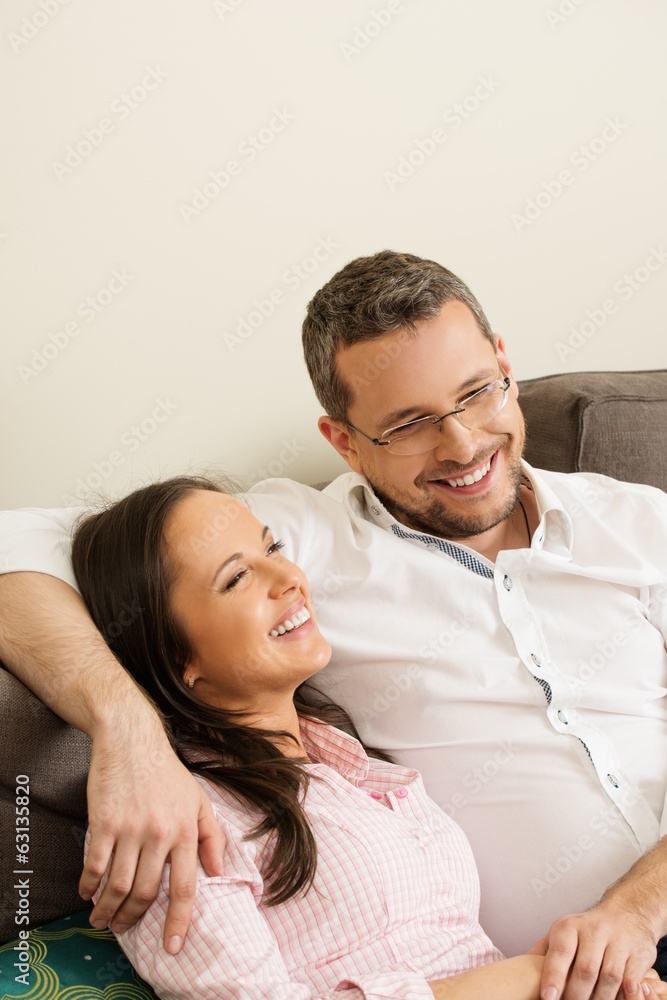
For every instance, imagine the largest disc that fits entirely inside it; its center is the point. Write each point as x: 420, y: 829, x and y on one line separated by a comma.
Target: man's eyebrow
x: 235, y: 556
x: 397, y: 417
x: 480, y: 376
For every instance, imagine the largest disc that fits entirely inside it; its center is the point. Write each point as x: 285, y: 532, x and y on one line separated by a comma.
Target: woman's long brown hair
x: 124, y: 575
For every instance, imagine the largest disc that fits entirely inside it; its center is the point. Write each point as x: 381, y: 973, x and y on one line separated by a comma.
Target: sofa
x: 613, y: 423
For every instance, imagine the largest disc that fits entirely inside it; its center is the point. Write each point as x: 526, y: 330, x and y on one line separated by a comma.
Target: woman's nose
x: 285, y: 577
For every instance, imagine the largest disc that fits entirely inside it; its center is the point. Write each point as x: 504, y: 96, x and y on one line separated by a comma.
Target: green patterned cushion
x: 69, y: 960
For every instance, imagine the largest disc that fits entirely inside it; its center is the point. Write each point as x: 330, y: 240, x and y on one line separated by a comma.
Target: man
x: 465, y: 596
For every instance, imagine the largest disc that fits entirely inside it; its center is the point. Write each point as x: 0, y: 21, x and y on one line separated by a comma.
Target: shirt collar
x: 326, y: 745
x: 554, y: 533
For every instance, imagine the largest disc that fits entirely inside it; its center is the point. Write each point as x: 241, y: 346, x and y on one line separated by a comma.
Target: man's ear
x: 505, y: 362
x: 338, y: 435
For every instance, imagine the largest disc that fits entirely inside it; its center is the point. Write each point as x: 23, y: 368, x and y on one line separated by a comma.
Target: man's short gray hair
x: 369, y: 297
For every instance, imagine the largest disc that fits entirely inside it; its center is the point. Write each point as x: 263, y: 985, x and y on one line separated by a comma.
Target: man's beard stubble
x: 434, y: 518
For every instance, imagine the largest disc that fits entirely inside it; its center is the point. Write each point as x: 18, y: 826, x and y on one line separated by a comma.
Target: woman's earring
x: 191, y: 682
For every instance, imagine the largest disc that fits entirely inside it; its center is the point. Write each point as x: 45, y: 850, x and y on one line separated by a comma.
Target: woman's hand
x: 650, y: 988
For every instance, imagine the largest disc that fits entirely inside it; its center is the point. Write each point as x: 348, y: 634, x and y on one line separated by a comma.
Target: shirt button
x: 562, y: 717
x: 536, y: 660
x: 507, y: 582
x: 432, y: 547
x: 401, y: 793
x: 613, y: 780
x: 376, y: 795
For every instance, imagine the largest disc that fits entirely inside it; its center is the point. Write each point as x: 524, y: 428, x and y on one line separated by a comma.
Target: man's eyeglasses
x: 423, y: 434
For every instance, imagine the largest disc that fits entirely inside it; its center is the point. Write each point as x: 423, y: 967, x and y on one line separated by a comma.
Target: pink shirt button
x: 401, y: 793
x: 376, y: 795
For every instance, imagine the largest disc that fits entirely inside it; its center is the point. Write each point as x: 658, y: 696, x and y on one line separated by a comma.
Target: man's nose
x: 457, y: 443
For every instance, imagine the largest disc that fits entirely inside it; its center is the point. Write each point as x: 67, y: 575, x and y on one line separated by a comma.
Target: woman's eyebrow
x: 236, y: 555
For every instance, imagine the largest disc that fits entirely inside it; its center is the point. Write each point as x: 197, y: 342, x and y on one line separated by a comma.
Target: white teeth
x: 470, y: 478
x: 291, y: 623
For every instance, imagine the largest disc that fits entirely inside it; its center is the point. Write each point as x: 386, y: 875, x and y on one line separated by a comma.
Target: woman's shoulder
x: 233, y: 809
x: 244, y: 857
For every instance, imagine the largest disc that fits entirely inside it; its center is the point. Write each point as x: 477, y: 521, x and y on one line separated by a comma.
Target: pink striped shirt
x: 394, y: 903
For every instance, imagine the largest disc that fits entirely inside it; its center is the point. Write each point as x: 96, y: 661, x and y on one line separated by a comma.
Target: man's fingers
x: 562, y: 948
x: 539, y: 948
x: 97, y: 862
x: 588, y: 967
x: 182, y: 890
x: 612, y: 973
x: 144, y: 887
x: 183, y: 874
x: 118, y: 885
x: 211, y: 838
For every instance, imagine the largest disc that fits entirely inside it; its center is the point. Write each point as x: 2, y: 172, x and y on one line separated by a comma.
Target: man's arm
x: 614, y: 940
x: 144, y: 806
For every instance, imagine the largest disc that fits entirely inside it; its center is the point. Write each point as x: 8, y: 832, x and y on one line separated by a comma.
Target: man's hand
x: 591, y: 954
x: 145, y: 808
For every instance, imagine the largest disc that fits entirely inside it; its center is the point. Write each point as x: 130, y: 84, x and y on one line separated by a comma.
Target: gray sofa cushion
x: 55, y: 758
x: 609, y: 422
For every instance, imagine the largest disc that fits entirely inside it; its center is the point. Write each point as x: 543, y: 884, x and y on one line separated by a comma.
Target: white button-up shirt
x: 529, y: 692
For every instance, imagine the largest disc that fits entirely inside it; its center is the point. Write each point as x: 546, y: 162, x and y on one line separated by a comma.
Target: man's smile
x: 473, y: 480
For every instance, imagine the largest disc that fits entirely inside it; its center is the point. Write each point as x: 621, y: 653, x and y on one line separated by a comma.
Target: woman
x: 337, y: 864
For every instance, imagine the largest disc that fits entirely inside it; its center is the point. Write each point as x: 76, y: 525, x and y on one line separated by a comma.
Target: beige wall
x: 124, y: 350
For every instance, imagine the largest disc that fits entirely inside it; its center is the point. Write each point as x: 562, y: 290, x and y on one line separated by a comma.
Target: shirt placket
x: 562, y: 694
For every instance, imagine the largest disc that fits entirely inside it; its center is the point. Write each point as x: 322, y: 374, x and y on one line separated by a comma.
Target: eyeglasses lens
x: 423, y: 435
